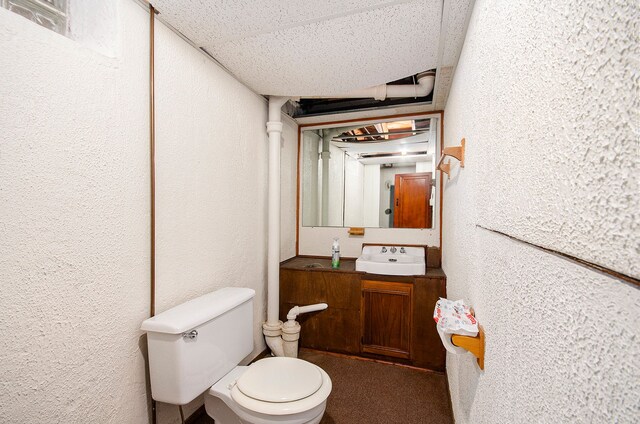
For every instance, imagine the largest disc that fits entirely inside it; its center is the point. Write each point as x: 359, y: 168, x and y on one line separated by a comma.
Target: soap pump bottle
x: 335, y: 254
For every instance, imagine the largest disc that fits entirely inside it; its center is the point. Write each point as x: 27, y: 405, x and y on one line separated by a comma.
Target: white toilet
x: 197, y: 346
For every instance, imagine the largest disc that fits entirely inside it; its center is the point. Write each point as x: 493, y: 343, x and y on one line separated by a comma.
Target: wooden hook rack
x: 455, y: 152
x: 475, y: 345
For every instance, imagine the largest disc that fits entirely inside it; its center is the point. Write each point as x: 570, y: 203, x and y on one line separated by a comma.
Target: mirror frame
x: 303, y: 127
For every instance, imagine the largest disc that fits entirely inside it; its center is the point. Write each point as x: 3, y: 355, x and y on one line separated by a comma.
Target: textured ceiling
x: 303, y: 48
x: 456, y: 22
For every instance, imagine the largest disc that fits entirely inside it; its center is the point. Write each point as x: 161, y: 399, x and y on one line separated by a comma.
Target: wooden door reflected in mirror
x: 412, y: 194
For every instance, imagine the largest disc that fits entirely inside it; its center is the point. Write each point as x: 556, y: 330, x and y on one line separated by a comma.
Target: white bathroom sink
x: 383, y: 260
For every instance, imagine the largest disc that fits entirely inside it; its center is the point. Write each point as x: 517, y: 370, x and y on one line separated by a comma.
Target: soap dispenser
x: 335, y: 254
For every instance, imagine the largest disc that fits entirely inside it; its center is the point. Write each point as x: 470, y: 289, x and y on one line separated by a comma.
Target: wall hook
x: 445, y: 167
x: 455, y: 152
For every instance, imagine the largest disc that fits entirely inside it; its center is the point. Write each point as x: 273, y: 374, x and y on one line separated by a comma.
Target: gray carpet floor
x: 375, y: 393
x: 366, y: 392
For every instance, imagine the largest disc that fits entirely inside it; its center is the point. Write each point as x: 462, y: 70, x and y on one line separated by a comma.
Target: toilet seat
x: 284, y: 366
x: 280, y: 379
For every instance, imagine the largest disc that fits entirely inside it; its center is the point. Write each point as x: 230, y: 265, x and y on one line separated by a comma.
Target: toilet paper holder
x: 475, y: 345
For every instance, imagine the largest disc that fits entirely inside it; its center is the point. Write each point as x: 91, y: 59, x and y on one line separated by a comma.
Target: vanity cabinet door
x: 386, y: 318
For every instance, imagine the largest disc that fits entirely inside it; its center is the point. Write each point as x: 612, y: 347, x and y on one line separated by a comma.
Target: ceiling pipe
x: 389, y: 91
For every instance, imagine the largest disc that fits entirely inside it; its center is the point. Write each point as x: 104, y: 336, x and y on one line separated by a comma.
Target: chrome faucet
x: 393, y: 249
x: 383, y: 250
x: 402, y: 250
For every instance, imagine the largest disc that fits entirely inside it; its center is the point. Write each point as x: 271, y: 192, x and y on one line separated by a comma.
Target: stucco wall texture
x: 546, y: 95
x: 74, y: 210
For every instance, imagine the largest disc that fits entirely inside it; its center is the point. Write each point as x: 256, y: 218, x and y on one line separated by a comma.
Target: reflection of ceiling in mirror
x: 408, y: 159
x: 404, y: 141
x: 384, y: 131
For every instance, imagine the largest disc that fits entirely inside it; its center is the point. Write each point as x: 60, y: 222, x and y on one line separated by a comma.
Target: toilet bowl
x: 196, y: 347
x: 272, y: 390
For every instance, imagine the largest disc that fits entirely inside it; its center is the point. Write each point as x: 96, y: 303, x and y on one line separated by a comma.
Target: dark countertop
x: 347, y: 265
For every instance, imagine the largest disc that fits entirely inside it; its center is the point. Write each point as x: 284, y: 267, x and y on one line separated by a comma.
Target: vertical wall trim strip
x: 298, y: 208
x: 152, y: 177
x: 152, y: 163
x: 441, y: 184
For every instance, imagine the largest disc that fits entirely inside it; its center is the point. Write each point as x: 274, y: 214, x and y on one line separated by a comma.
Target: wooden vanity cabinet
x: 387, y: 312
x: 380, y: 317
x: 426, y: 347
x: 335, y: 329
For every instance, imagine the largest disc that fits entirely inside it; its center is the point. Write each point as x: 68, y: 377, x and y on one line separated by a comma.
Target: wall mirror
x: 376, y: 173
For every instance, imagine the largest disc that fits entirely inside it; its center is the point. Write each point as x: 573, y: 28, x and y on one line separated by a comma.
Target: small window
x: 51, y: 14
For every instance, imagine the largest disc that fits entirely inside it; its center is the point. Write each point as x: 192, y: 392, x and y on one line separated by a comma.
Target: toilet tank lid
x: 195, y: 312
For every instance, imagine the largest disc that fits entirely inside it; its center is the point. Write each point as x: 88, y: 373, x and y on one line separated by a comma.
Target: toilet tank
x: 193, y: 345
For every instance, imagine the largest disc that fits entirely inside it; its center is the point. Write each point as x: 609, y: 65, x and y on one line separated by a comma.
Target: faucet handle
x: 402, y: 250
x: 393, y: 249
x: 383, y: 250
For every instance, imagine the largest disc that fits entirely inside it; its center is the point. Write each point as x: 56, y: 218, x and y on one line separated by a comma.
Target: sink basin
x: 380, y: 260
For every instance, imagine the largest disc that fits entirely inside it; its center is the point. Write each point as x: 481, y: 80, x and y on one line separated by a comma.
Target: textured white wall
x: 544, y: 94
x: 74, y: 196
x: 73, y: 225
x: 211, y: 182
